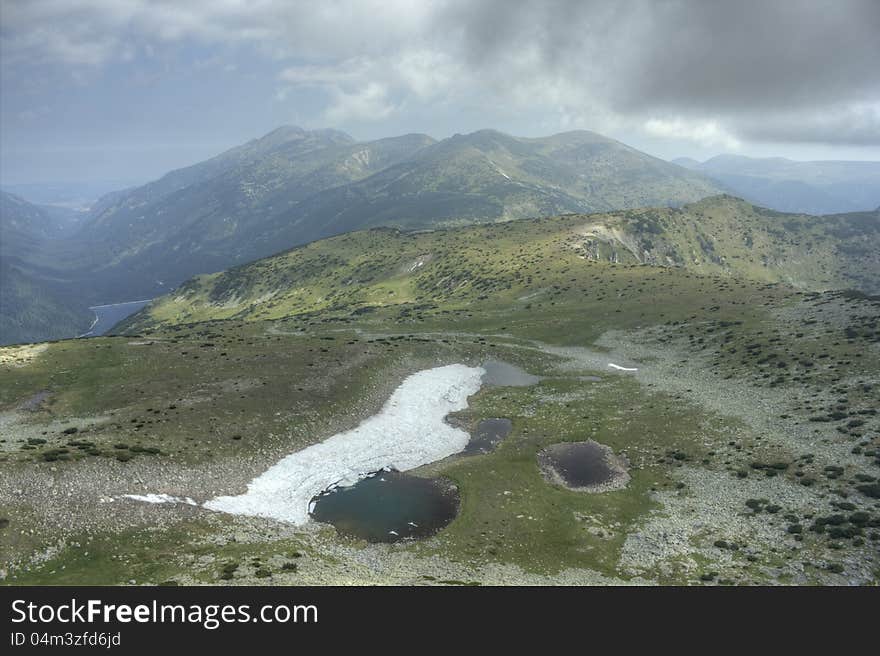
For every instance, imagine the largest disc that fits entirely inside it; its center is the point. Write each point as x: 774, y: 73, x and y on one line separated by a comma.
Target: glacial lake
x: 388, y: 506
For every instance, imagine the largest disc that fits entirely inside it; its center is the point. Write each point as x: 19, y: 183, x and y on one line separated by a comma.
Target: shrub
x: 870, y: 490
x: 81, y: 444
x: 228, y: 570
x: 51, y: 455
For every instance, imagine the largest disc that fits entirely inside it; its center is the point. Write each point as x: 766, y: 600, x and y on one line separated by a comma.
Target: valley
x: 293, y: 186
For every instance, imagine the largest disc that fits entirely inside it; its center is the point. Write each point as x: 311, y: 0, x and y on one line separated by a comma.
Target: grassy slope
x: 499, y: 262
x: 295, y: 367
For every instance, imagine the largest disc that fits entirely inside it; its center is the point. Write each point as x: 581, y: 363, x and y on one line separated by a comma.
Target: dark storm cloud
x: 730, y: 56
x: 763, y: 68
x: 834, y: 125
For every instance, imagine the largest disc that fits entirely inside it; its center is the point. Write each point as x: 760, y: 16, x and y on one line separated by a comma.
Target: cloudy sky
x: 128, y: 89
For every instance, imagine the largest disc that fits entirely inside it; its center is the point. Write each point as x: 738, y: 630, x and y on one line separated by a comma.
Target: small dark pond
x: 388, y: 506
x: 487, y: 435
x: 503, y: 374
x: 581, y: 465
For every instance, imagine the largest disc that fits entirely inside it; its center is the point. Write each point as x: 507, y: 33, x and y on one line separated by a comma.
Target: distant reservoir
x: 107, y: 316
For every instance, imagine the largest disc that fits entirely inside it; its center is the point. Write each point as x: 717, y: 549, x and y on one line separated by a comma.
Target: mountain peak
x: 287, y: 133
x: 284, y: 130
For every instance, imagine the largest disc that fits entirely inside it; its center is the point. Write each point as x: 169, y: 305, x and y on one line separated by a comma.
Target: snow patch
x: 619, y: 368
x: 408, y: 432
x: 160, y: 498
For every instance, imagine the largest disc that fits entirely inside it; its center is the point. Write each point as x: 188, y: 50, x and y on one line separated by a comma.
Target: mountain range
x: 294, y: 186
x: 823, y: 187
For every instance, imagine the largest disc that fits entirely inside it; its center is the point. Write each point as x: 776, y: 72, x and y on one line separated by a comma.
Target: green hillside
x: 725, y: 235
x: 719, y: 236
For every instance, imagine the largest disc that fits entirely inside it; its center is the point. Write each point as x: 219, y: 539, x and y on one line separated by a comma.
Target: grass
x: 238, y: 369
x: 511, y: 514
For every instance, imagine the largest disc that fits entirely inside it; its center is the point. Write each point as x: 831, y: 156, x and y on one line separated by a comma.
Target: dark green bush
x: 228, y: 570
x: 870, y: 490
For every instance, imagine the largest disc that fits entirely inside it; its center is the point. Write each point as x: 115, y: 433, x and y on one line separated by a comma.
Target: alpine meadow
x: 447, y: 332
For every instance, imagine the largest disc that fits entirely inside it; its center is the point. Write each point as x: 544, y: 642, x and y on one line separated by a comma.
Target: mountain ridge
x: 721, y: 237
x: 293, y: 185
x: 811, y: 187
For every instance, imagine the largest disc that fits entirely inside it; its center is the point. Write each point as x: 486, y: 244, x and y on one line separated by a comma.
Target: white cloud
x: 704, y: 133
x: 427, y: 73
x: 369, y: 103
x: 696, y: 71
